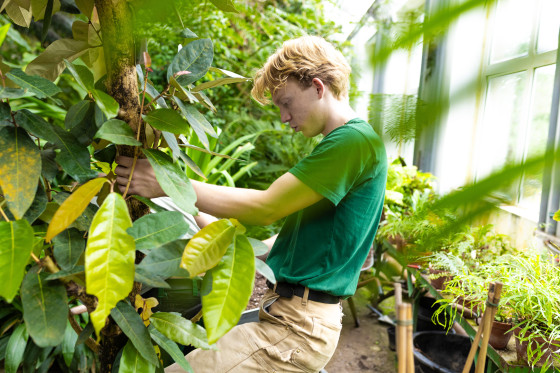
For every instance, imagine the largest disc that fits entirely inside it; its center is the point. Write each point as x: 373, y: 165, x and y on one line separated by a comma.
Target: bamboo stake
x: 476, y: 340
x: 401, y: 338
x: 491, y: 307
x: 409, y: 346
x: 400, y: 332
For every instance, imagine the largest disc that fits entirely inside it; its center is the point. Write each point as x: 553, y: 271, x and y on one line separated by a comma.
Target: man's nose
x: 285, y: 117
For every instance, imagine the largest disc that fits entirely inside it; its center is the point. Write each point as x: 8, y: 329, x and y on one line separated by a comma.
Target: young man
x: 333, y: 200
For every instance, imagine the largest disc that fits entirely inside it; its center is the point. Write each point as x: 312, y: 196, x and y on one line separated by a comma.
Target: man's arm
x: 256, y: 207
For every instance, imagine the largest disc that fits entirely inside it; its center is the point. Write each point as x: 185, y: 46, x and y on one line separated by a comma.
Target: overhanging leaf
x: 16, y: 349
x: 207, y: 247
x: 171, y: 348
x: 149, y: 279
x: 19, y: 12
x: 83, y: 76
x: 132, y: 325
x: 167, y: 120
x: 20, y: 169
x: 109, y: 258
x: 196, y: 57
x: 36, y: 84
x: 232, y: 286
x: 68, y: 247
x: 106, y: 103
x: 154, y: 230
x: 76, y: 114
x: 172, y: 180
x: 45, y: 307
x: 265, y: 270
x: 219, y: 82
x: 16, y: 243
x: 178, y: 329
x: 132, y: 361
x: 164, y: 262
x: 224, y: 5
x: 198, y: 122
x: 50, y: 63
x: 118, y: 132
x: 177, y: 153
x: 73, y: 207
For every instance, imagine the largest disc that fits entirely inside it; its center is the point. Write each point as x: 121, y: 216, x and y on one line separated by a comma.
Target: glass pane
x: 512, y: 30
x: 549, y: 26
x: 502, y: 132
x: 537, y: 134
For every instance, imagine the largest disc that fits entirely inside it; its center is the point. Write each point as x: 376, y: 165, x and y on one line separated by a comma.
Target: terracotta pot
x: 521, y: 348
x: 438, y: 283
x: 500, y: 335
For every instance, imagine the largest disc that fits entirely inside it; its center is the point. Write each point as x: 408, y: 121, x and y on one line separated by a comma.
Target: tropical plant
x: 59, y: 250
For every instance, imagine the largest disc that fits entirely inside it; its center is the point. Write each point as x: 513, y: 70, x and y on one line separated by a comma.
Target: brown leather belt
x: 287, y: 290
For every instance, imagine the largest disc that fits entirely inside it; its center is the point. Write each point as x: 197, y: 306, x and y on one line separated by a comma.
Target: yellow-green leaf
x: 20, y: 168
x: 16, y: 243
x: 232, y: 286
x: 19, y: 12
x: 73, y: 207
x: 109, y: 258
x: 207, y: 246
x: 132, y: 361
x: 50, y: 63
x: 3, y: 32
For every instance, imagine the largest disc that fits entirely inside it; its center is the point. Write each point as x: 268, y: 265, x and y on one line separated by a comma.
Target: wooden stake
x: 474, y: 346
x: 491, y: 307
x: 409, y: 345
x: 401, y: 338
x: 398, y: 294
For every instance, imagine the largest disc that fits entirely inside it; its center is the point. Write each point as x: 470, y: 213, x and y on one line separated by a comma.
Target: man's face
x: 299, y: 108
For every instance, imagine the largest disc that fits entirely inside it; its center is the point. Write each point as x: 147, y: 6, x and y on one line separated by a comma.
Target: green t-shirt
x: 325, y: 245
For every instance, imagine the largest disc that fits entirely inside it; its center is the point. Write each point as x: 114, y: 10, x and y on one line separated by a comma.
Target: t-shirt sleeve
x: 336, y: 164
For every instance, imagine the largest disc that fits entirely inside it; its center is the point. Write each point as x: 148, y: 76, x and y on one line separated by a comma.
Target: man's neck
x: 339, y: 114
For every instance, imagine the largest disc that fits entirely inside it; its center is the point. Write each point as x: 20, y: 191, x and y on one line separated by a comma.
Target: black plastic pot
x: 426, y: 309
x: 391, y: 337
x: 437, y: 352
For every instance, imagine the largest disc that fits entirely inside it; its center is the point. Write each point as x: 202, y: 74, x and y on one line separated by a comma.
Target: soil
x: 360, y: 349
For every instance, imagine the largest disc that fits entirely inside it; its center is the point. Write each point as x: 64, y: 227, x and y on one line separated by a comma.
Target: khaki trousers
x: 293, y: 335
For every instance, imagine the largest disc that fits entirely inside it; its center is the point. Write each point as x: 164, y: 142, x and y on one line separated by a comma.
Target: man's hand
x: 143, y: 181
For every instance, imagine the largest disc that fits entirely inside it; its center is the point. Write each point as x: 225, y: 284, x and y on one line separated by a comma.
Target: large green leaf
x: 167, y: 120
x: 20, y: 169
x: 164, y: 261
x: 50, y: 63
x: 76, y: 114
x: 232, y: 286
x: 132, y: 361
x: 178, y: 329
x: 132, y: 325
x: 38, y: 205
x: 196, y: 57
x: 16, y: 244
x: 3, y: 32
x: 68, y: 247
x: 154, y: 230
x: 117, y: 132
x: 45, y: 307
x: 69, y: 344
x: 149, y: 279
x: 177, y: 153
x: 172, y: 180
x: 16, y: 349
x: 83, y: 76
x: 41, y: 87
x: 13, y: 93
x: 207, y: 247
x: 73, y: 207
x: 231, y: 78
x: 106, y: 103
x: 109, y: 258
x: 265, y: 270
x: 197, y: 121
x: 73, y: 157
x: 224, y: 5
x: 171, y: 348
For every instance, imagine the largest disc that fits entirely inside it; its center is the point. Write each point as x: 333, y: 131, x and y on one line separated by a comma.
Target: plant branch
x: 3, y: 214
x: 131, y: 173
x: 197, y: 317
x: 89, y: 342
x: 160, y: 95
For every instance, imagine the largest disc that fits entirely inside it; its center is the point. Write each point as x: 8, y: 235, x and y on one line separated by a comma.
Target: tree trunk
x: 115, y: 18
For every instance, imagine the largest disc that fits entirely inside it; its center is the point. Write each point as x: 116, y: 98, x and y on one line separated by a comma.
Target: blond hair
x: 304, y: 59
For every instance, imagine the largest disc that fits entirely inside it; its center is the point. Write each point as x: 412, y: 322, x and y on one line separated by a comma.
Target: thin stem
x: 89, y: 342
x: 35, y: 258
x: 160, y: 95
x: 3, y: 214
x: 97, y: 32
x: 141, y: 108
x: 131, y: 173
x: 197, y: 317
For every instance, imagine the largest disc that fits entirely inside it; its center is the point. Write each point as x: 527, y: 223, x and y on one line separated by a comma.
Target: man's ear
x: 318, y: 86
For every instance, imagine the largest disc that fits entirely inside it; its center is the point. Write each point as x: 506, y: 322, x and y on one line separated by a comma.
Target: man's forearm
x: 246, y: 205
